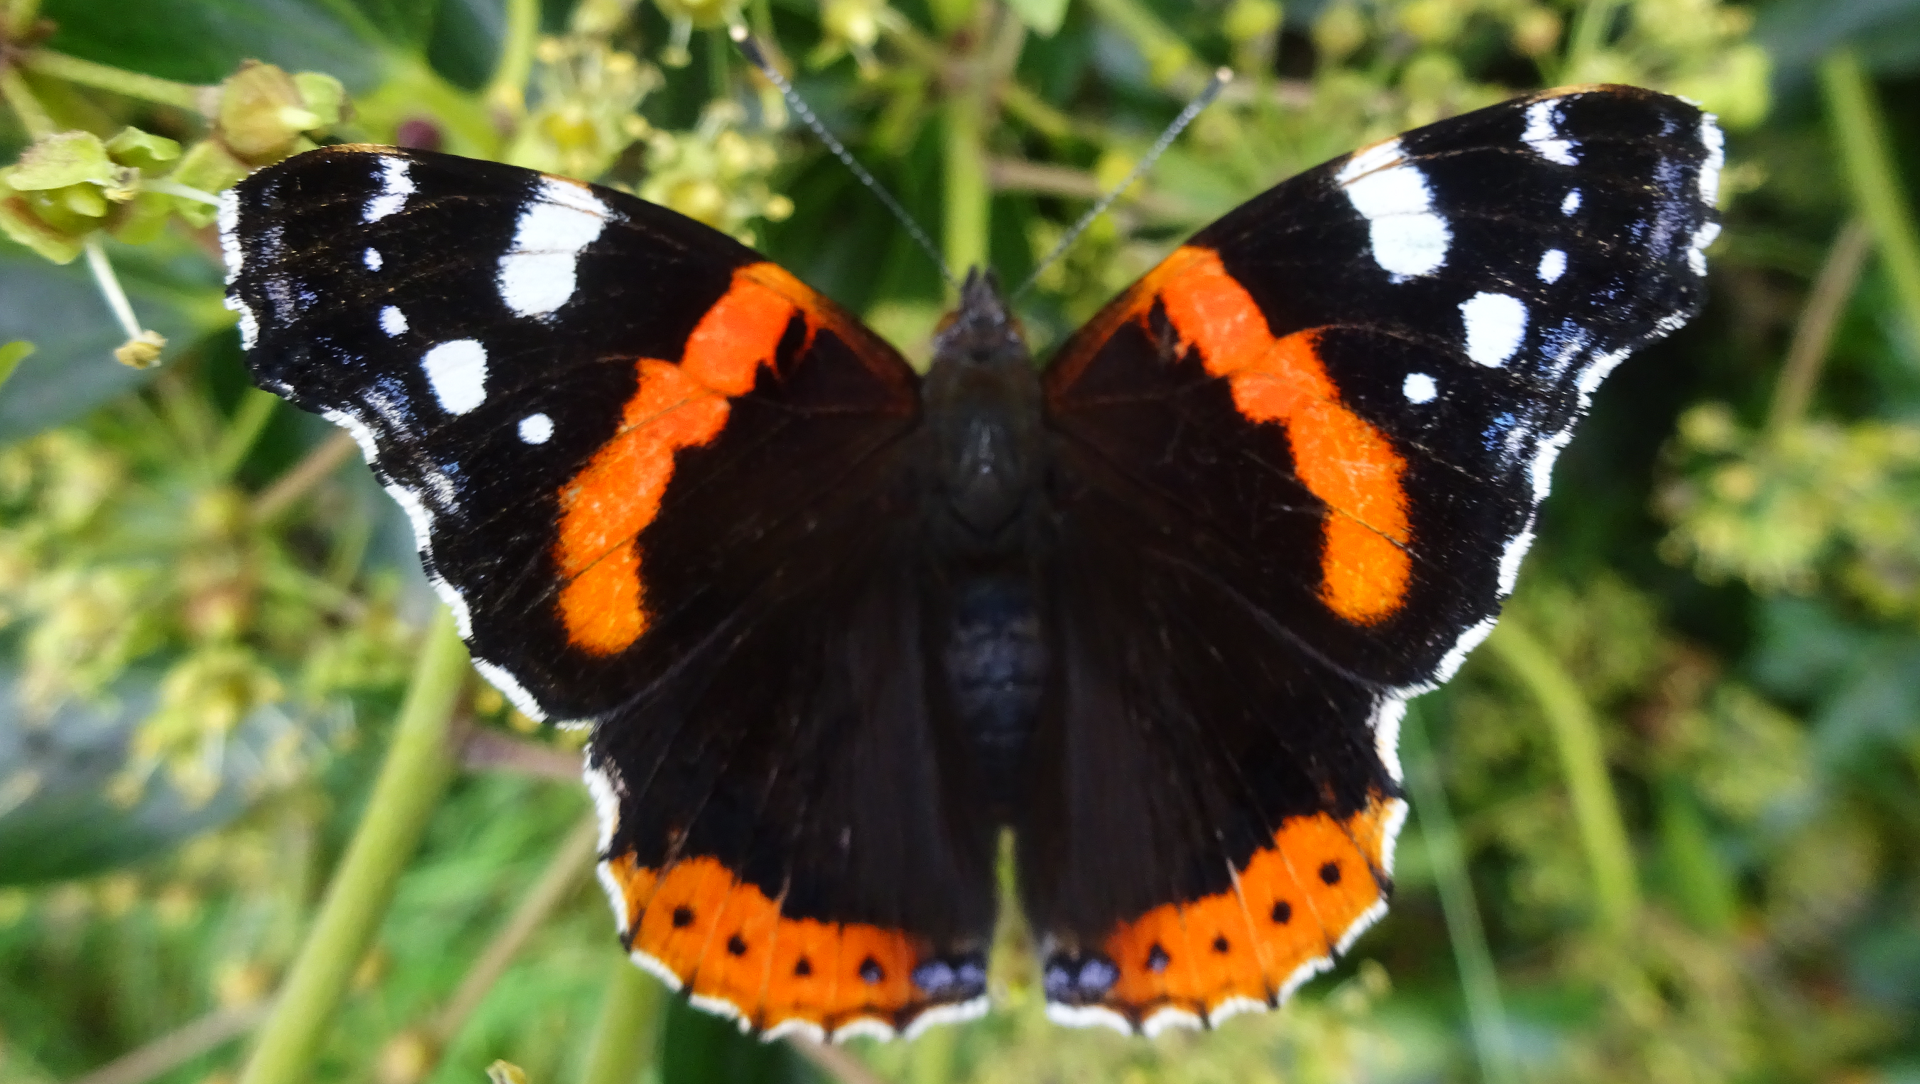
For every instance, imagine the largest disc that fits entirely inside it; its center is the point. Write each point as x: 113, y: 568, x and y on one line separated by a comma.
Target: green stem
x: 1862, y: 133
x: 507, y: 90
x: 19, y: 98
x: 1589, y: 36
x: 623, y: 1036
x: 147, y: 88
x: 256, y: 409
x: 1479, y: 981
x: 968, y: 197
x: 1576, y: 734
x: 1818, y: 320
x: 418, y: 768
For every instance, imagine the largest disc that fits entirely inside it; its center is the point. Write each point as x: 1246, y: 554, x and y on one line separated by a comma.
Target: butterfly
x: 1154, y: 610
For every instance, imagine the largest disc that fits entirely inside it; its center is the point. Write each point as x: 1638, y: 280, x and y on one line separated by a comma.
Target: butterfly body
x: 1157, y: 607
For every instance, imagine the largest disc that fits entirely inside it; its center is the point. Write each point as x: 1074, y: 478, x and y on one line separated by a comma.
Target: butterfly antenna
x: 1221, y: 77
x: 751, y: 50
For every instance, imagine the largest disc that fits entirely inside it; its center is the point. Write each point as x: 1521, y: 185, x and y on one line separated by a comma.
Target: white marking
x: 1407, y: 236
x: 537, y: 274
x: 1543, y: 133
x: 718, y: 1006
x: 1571, y: 203
x: 229, y: 219
x: 1390, y: 833
x: 1301, y: 974
x: 794, y: 1025
x: 1088, y: 1016
x: 606, y: 800
x: 1553, y: 264
x: 863, y: 1025
x: 1697, y: 249
x: 1544, y: 455
x: 1233, y: 1006
x: 362, y: 435
x: 1385, y: 724
x: 1360, y: 925
x: 536, y: 429
x: 1601, y: 368
x: 954, y: 1013
x: 462, y: 618
x: 1496, y: 324
x: 1168, y: 1018
x: 1716, y: 145
x: 1419, y: 388
x: 512, y: 689
x: 1450, y: 663
x: 417, y: 514
x: 249, y: 324
x: 653, y: 965
x: 457, y: 371
x: 1510, y: 557
x: 371, y: 257
x: 393, y: 321
x: 616, y: 896
x: 395, y: 187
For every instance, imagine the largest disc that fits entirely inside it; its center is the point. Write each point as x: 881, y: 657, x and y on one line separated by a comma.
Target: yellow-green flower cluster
x: 716, y: 173
x: 584, y: 116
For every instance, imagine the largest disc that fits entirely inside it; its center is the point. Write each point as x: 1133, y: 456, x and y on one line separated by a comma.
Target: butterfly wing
x: 658, y: 480
x: 1301, y: 461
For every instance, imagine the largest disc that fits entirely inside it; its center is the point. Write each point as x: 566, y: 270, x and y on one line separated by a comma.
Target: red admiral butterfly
x: 1157, y: 608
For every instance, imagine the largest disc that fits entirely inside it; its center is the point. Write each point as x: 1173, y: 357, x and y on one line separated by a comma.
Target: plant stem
x: 1576, y: 734
x: 109, y: 284
x: 176, y: 1048
x: 19, y: 98
x: 1814, y: 336
x: 569, y: 863
x: 1479, y: 981
x: 623, y: 1037
x: 418, y: 768
x: 147, y: 88
x: 507, y: 90
x: 968, y: 197
x: 1862, y: 133
x: 1170, y: 62
x: 255, y: 410
x: 324, y: 459
x: 1588, y: 37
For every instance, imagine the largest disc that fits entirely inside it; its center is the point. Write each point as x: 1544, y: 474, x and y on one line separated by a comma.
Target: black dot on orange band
x: 1220, y: 943
x: 735, y: 946
x: 1330, y: 873
x: 1282, y: 912
x: 682, y: 916
x: 870, y: 972
x: 803, y: 968
x: 1157, y: 959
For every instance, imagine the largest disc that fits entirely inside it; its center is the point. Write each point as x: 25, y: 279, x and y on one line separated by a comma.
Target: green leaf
x: 11, y: 355
x: 1043, y: 17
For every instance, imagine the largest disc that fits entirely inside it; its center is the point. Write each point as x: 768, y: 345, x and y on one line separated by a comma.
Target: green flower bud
x: 263, y: 113
x: 1341, y: 29
x: 143, y: 151
x: 1251, y: 20
x: 210, y: 167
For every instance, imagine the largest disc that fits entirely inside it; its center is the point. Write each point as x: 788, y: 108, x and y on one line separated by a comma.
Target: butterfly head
x: 981, y: 331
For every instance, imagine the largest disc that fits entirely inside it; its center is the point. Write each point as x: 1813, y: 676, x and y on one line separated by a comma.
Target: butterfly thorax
x: 983, y: 469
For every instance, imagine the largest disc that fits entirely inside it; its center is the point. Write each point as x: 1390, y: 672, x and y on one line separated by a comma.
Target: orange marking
x: 1291, y: 903
x: 617, y: 494
x: 726, y: 939
x: 1341, y: 458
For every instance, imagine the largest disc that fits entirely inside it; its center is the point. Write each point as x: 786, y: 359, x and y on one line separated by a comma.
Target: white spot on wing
x: 371, y: 257
x: 806, y: 1029
x: 457, y: 371
x: 249, y: 324
x: 1716, y: 145
x: 393, y: 321
x: 1407, y: 236
x: 1543, y: 133
x: 1697, y: 248
x: 1510, y: 558
x: 1571, y: 203
x: 1495, y: 324
x: 537, y: 274
x: 230, y: 233
x: 512, y: 689
x: 1470, y: 639
x: 1553, y: 264
x: 1167, y: 1018
x: 536, y: 428
x: 395, y: 187
x: 1390, y: 833
x: 1387, y: 717
x: 1233, y: 1006
x: 863, y: 1025
x: 971, y: 1009
x: 1419, y: 388
x: 1543, y: 460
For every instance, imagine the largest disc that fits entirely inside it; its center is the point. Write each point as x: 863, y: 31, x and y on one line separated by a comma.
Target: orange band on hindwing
x: 724, y: 940
x: 1293, y: 904
x: 605, y: 506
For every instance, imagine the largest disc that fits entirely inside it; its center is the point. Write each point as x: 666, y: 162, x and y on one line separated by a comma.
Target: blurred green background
x: 1666, y: 822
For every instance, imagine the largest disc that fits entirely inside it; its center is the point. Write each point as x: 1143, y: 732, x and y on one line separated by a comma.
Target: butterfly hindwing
x: 658, y: 480
x: 1327, y: 423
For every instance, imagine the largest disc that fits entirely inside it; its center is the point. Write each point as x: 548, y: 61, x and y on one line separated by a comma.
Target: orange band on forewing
x: 1292, y: 902
x: 617, y: 494
x: 725, y: 939
x: 1340, y: 457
